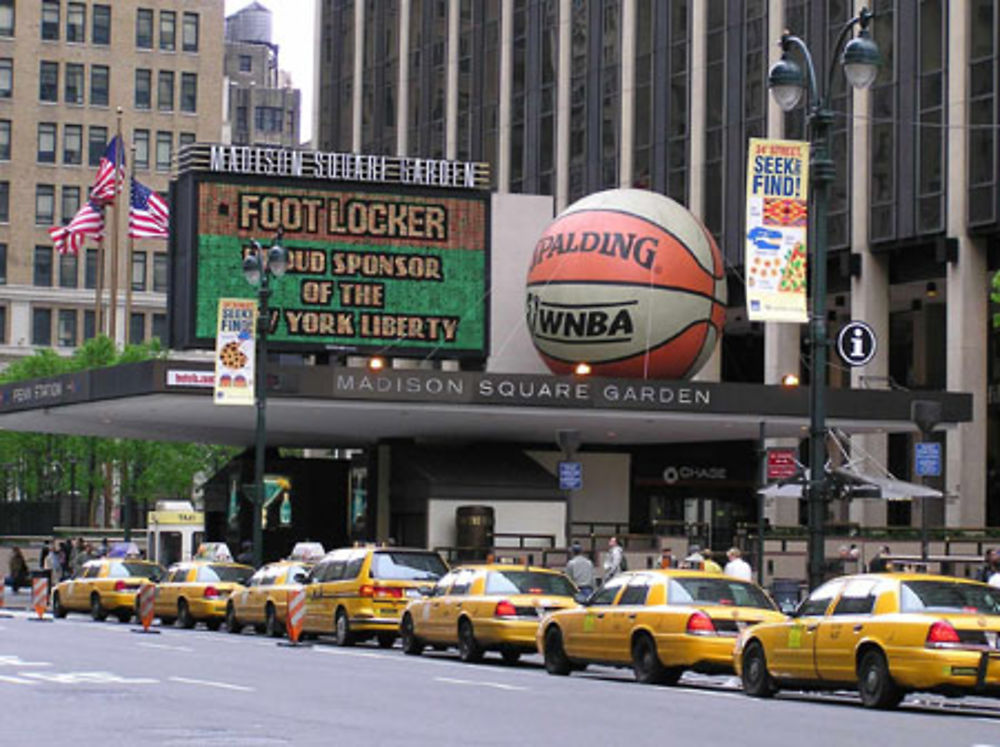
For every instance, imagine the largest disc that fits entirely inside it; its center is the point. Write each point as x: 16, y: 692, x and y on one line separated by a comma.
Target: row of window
x: 72, y: 150
x: 67, y: 330
x: 168, y: 30
x: 165, y: 90
x: 45, y: 270
x: 45, y: 203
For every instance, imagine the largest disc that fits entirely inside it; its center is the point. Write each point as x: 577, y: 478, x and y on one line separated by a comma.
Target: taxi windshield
x: 948, y: 596
x: 135, y: 570
x: 213, y: 572
x: 528, y: 582
x: 724, y: 591
x: 408, y: 566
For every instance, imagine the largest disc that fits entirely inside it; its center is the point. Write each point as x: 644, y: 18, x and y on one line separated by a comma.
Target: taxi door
x: 427, y: 617
x: 585, y: 637
x: 321, y: 594
x: 243, y: 599
x: 839, y: 633
x: 168, y: 592
x: 446, y: 613
x: 615, y: 643
x: 792, y: 651
x: 78, y: 596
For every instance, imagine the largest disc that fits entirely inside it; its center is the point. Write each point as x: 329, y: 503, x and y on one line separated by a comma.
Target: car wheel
x: 556, y: 661
x: 646, y: 663
x: 469, y: 649
x: 411, y: 644
x: 184, y: 614
x: 510, y: 656
x: 342, y: 629
x: 232, y: 624
x: 96, y: 611
x: 875, y: 684
x: 757, y: 681
x: 57, y: 608
x: 124, y: 616
x: 272, y: 628
x: 385, y: 640
x: 213, y: 625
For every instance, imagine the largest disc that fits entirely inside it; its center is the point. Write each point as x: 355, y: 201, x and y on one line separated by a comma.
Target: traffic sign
x: 570, y: 475
x: 856, y: 343
x: 927, y: 459
x: 782, y: 463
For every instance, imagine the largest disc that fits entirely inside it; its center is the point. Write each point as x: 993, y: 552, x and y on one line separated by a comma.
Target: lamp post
x: 259, y: 265
x: 860, y: 61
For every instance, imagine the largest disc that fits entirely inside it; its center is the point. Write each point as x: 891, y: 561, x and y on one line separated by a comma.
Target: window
x: 144, y: 28
x: 46, y: 142
x: 41, y: 328
x: 90, y: 275
x: 43, y: 267
x: 268, y: 118
x: 607, y: 593
x: 97, y: 140
x: 165, y: 91
x: 189, y: 92
x: 136, y: 328
x: 6, y: 77
x: 76, y: 22
x: 143, y: 88
x: 858, y: 598
x: 160, y: 327
x: 48, y: 81
x: 45, y: 205
x: 3, y: 324
x: 635, y: 592
x: 246, y: 63
x: 74, y: 83
x: 241, y: 119
x: 67, y: 328
x: 819, y: 600
x: 168, y: 30
x: 99, y: 83
x: 139, y: 271
x: 100, y: 32
x: 140, y: 139
x: 70, y: 204
x: 186, y: 138
x: 163, y: 151
x: 190, y: 32
x: 160, y: 273
x: 4, y: 202
x: 73, y: 144
x: 6, y: 17
x: 89, y: 325
x: 3, y: 264
x: 50, y: 20
x: 4, y: 139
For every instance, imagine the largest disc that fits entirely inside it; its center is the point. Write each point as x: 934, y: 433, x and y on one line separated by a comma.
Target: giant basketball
x: 630, y: 282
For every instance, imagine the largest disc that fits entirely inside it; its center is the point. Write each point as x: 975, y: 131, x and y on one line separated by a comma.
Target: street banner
x: 776, y: 230
x: 234, y: 352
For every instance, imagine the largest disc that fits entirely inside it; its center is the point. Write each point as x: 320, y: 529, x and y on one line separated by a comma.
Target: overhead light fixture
x: 377, y: 363
x: 582, y: 369
x: 790, y: 381
x: 932, y: 289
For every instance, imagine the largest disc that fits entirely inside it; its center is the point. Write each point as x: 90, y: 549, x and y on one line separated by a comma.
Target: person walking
x: 613, y: 559
x: 709, y: 564
x: 879, y: 562
x: 989, y: 566
x: 737, y: 567
x: 580, y: 570
x: 666, y: 558
x: 694, y: 560
x: 18, y: 568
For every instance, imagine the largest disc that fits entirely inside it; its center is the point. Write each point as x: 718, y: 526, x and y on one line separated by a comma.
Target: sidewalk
x: 19, y: 601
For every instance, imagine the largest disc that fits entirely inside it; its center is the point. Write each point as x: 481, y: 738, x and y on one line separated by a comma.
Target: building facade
x: 66, y: 70
x: 566, y: 98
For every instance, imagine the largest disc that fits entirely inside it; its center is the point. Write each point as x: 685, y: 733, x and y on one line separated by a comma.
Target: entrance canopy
x: 168, y: 400
x: 857, y: 484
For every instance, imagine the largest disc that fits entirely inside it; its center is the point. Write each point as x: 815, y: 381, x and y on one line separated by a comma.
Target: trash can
x: 785, y: 592
x: 473, y: 531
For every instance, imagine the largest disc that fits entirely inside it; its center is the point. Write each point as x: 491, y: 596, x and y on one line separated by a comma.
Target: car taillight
x: 120, y: 586
x: 505, y: 609
x: 211, y: 592
x: 700, y: 624
x: 942, y: 632
x: 381, y: 592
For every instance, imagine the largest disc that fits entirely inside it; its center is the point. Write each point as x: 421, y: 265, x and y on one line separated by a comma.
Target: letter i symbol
x: 857, y: 344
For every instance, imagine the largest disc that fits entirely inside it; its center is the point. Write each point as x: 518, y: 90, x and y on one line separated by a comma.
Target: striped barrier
x: 295, y: 615
x: 3, y: 588
x: 147, y: 595
x: 40, y: 596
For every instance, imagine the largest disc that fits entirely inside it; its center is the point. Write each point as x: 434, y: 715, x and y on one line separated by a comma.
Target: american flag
x: 105, y: 189
x: 88, y: 221
x: 148, y: 215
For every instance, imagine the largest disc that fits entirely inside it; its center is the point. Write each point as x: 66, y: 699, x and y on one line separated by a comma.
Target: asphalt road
x: 86, y: 683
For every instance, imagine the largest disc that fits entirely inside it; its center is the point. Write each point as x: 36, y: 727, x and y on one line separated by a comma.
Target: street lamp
x: 860, y: 61
x: 259, y: 265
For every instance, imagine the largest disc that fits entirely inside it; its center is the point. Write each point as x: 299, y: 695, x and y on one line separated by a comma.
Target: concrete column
x: 506, y: 75
x: 318, y: 101
x: 627, y: 123
x: 968, y: 284
x: 359, y: 61
x: 403, y: 81
x: 451, y: 90
x: 563, y: 78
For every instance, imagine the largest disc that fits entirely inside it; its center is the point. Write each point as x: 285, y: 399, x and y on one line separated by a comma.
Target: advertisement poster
x: 777, y: 228
x: 234, y: 352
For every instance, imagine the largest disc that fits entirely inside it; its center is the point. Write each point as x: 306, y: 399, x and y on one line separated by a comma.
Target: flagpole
x: 99, y: 289
x: 113, y: 310
x: 129, y: 253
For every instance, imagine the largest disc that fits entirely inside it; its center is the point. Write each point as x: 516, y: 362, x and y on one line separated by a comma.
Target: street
x: 94, y: 683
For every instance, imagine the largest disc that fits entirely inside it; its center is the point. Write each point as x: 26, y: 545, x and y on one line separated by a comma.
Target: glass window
x: 168, y: 30
x: 165, y: 91
x: 268, y: 118
x: 3, y: 264
x: 136, y: 328
x: 89, y: 326
x: 160, y: 273
x: 138, y: 271
x: 73, y: 144
x: 70, y: 204
x: 185, y: 138
x: 528, y: 582
x: 414, y: 566
x: 48, y: 81
x: 144, y: 28
x: 6, y: 77
x: 190, y: 32
x: 140, y: 139
x: 68, y: 265
x: 354, y: 563
x: 608, y: 592
x: 143, y: 88
x: 46, y: 142
x: 97, y: 142
x: 4, y: 139
x: 5, y: 202
x: 721, y: 591
x: 189, y: 92
x: 76, y: 22
x: 164, y: 148
x: 216, y: 572
x: 160, y: 327
x: 819, y: 600
x: 67, y: 328
x: 90, y: 271
x: 635, y: 592
x: 50, y: 20
x: 6, y: 17
x: 74, y: 83
x: 949, y: 597
x: 99, y: 84
x: 45, y: 206
x: 100, y: 32
x: 41, y: 327
x: 42, y: 275
x: 3, y: 325
x: 858, y: 597
x: 246, y: 63
x: 462, y: 582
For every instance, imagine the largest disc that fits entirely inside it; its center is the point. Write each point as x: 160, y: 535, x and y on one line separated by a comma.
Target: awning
x: 853, y: 483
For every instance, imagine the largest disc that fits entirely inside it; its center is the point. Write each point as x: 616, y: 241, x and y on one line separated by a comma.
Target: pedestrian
x: 613, y: 559
x: 994, y: 580
x: 694, y: 560
x: 666, y: 558
x: 103, y: 552
x: 880, y: 562
x: 66, y: 553
x: 580, y: 570
x: 246, y: 553
x: 43, y: 554
x: 737, y: 567
x: 18, y: 568
x: 709, y: 564
x: 80, y: 556
x: 989, y: 566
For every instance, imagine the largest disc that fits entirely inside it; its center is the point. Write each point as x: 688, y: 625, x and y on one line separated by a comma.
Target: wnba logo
x: 607, y: 322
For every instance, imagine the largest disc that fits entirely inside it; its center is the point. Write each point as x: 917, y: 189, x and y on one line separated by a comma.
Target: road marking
x: 87, y: 678
x: 11, y: 660
x: 356, y: 654
x: 478, y: 683
x: 210, y: 683
x: 165, y: 647
x: 16, y: 680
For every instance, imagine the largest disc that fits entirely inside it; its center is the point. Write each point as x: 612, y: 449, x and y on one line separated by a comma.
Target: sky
x: 293, y: 33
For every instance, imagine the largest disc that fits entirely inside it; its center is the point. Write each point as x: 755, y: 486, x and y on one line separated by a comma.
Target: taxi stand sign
x: 570, y: 475
x: 927, y: 459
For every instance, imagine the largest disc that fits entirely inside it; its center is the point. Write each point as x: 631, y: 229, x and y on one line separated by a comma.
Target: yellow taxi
x: 263, y: 601
x: 659, y: 622
x: 883, y: 634
x: 104, y: 586
x: 360, y: 592
x: 198, y: 590
x: 481, y: 608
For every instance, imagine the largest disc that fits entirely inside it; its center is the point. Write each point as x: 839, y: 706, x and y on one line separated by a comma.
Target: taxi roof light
x: 505, y: 608
x: 700, y: 624
x: 942, y: 632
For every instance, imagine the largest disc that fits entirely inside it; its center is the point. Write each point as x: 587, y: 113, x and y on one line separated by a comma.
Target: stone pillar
x: 359, y: 62
x: 563, y: 113
x: 403, y: 81
x: 451, y: 89
x: 627, y: 123
x: 506, y: 75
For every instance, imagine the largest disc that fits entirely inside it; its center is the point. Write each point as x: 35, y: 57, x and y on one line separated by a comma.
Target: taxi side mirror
x: 300, y: 578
